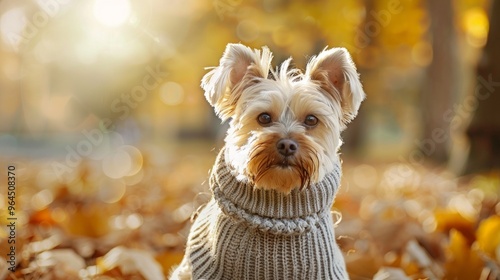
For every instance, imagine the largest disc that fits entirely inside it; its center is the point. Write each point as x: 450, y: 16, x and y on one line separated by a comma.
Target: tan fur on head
x: 239, y: 88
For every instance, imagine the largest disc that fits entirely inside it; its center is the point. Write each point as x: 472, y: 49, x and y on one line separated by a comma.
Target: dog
x: 275, y: 179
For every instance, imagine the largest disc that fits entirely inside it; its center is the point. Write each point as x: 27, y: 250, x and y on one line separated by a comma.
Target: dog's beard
x: 267, y: 168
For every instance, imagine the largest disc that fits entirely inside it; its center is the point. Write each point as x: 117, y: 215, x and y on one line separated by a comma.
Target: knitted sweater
x: 247, y: 233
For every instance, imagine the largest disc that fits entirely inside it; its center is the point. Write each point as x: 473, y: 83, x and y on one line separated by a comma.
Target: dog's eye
x: 264, y: 119
x: 311, y: 121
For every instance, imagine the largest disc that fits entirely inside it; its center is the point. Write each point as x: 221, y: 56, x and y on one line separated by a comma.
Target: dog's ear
x: 239, y: 68
x: 335, y: 72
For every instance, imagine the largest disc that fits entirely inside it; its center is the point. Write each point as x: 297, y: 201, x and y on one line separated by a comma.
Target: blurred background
x: 104, y: 119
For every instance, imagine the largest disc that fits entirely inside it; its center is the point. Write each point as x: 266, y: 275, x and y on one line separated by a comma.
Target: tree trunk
x: 440, y: 90
x: 483, y: 131
x: 353, y: 135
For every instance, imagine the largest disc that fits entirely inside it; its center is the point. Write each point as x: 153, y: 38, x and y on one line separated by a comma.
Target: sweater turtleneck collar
x: 268, y: 210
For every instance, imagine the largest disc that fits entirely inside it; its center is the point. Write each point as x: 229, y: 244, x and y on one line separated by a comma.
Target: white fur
x: 183, y: 271
x: 240, y: 89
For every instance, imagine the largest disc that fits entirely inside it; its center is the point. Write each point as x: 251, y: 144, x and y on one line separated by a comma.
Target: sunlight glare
x: 12, y: 24
x: 112, y: 13
x: 171, y: 93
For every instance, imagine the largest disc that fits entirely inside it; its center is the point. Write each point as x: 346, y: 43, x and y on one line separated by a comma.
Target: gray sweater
x: 247, y: 233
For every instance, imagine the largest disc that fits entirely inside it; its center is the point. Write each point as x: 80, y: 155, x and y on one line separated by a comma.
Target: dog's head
x: 285, y: 124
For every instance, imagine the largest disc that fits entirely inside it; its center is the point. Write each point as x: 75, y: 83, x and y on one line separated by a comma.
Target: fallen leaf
x: 390, y: 273
x: 131, y: 261
x: 417, y: 260
x: 463, y: 262
x: 362, y: 265
x: 170, y: 260
x: 447, y: 220
x: 42, y: 217
x: 488, y: 236
x: 90, y: 220
x: 66, y: 263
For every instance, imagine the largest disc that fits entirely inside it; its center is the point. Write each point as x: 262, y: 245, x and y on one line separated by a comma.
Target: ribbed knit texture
x: 247, y: 233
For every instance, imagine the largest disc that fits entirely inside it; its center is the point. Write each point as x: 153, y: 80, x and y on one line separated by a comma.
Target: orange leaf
x: 488, y: 235
x: 447, y: 220
x: 169, y: 260
x: 462, y: 262
x: 42, y: 217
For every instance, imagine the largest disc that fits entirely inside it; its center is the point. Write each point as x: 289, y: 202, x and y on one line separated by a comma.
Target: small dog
x: 274, y: 182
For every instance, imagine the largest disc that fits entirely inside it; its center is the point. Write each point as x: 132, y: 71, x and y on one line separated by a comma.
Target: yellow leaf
x: 90, y: 220
x: 447, y: 220
x: 462, y: 261
x: 488, y: 235
x: 169, y: 260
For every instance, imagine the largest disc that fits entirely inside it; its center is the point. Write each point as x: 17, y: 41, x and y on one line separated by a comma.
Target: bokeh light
x: 134, y: 221
x: 111, y: 192
x: 117, y: 164
x: 124, y: 161
x: 247, y: 31
x: 421, y: 54
x: 42, y: 199
x: 136, y: 159
x: 476, y: 26
x: 112, y: 13
x: 171, y: 93
x: 365, y: 176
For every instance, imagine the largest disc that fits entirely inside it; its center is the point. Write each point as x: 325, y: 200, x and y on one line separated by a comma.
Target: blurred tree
x: 353, y: 136
x: 484, y: 129
x: 441, y: 77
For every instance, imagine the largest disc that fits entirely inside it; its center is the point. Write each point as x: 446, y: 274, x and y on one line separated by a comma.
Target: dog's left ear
x: 336, y: 74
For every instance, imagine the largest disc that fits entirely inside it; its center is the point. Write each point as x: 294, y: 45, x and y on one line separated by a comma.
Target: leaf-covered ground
x: 394, y: 221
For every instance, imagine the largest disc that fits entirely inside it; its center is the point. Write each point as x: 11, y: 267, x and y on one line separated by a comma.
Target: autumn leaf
x: 447, y: 220
x: 131, y: 261
x: 488, y: 236
x: 169, y: 260
x: 463, y: 262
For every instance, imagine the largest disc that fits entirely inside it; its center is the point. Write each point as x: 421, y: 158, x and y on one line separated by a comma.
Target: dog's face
x: 285, y: 125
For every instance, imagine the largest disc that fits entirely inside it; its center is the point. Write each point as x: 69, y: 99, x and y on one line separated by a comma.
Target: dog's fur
x: 307, y: 110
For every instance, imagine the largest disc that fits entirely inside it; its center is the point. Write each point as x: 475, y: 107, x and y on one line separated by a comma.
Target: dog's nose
x: 287, y: 147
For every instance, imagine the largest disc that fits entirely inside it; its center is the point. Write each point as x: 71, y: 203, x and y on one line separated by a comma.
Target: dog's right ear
x: 239, y: 68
